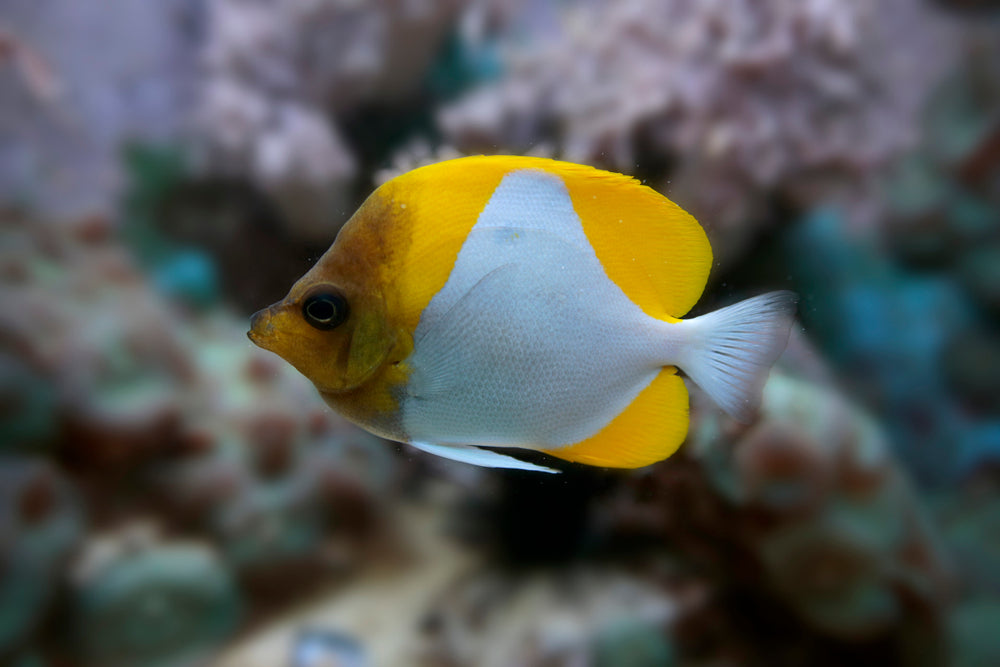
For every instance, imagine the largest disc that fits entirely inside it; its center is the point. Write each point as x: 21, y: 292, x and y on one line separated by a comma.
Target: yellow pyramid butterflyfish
x: 515, y: 302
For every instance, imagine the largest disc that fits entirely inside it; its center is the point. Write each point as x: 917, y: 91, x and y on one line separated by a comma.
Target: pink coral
x: 278, y: 76
x: 745, y: 96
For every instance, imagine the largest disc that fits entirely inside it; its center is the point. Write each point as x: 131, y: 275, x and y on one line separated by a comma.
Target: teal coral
x: 974, y: 633
x: 40, y: 526
x: 632, y: 643
x: 161, y: 605
x: 845, y: 533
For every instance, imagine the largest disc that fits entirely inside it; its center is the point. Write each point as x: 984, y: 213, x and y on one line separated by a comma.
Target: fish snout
x: 260, y: 326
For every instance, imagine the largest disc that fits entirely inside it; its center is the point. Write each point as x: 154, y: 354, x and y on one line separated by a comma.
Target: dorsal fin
x: 651, y: 248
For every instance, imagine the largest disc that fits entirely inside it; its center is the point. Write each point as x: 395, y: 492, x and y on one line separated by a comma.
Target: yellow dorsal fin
x: 650, y: 429
x: 651, y: 248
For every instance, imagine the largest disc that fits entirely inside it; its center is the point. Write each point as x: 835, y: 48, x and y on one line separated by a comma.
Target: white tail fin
x: 729, y: 352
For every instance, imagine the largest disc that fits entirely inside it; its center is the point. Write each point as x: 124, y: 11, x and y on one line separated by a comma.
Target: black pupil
x: 322, y: 310
x: 325, y: 311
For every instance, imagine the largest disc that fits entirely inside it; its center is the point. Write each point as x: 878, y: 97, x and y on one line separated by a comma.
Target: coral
x: 161, y: 410
x: 27, y: 415
x: 932, y: 379
x: 278, y: 72
x: 116, y: 377
x: 971, y: 364
x: 451, y: 605
x: 970, y: 523
x: 893, y: 363
x: 418, y: 153
x: 943, y: 233
x: 139, y: 601
x: 325, y: 647
x: 289, y: 515
x: 67, y: 108
x: 572, y: 617
x: 200, y: 239
x: 980, y: 272
x: 973, y: 631
x: 40, y: 524
x: 944, y: 197
x: 846, y: 534
x: 806, y: 507
x: 243, y: 131
x: 742, y: 99
x: 628, y: 643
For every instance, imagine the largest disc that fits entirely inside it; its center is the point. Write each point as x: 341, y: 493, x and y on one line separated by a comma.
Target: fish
x: 509, y: 303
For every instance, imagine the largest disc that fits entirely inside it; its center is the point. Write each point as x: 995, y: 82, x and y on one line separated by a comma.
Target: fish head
x: 331, y: 327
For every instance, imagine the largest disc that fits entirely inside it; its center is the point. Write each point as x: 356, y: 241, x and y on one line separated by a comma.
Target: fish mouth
x: 260, y: 328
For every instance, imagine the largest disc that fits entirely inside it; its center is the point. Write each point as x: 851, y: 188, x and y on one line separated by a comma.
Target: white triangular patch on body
x: 525, y: 201
x: 537, y: 201
x: 529, y: 343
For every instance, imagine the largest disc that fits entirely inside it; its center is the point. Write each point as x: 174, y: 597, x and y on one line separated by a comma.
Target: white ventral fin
x: 479, y: 457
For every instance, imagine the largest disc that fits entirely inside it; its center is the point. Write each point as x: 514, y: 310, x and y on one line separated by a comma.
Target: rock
x: 632, y: 643
x: 40, y: 525
x: 152, y: 604
x: 973, y: 627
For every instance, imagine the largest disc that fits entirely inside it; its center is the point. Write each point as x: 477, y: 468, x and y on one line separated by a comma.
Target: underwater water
x: 171, y: 494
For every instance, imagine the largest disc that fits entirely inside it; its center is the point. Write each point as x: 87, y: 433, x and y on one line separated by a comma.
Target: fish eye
x: 325, y: 310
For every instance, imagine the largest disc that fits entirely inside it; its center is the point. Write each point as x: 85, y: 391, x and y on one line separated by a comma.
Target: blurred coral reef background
x: 171, y: 495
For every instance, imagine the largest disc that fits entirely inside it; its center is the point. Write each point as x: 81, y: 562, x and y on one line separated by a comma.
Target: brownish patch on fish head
x: 332, y: 326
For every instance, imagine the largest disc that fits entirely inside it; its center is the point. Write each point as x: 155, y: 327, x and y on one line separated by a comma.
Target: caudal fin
x: 729, y: 352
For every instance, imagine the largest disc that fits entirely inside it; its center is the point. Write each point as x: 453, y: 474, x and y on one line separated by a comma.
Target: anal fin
x: 479, y: 457
x: 650, y: 429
